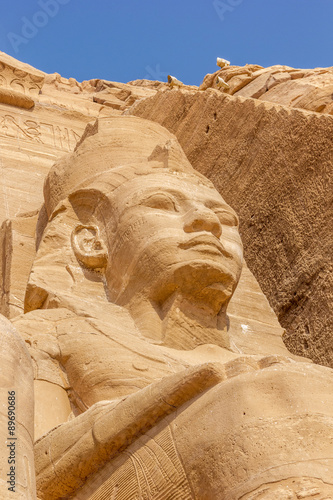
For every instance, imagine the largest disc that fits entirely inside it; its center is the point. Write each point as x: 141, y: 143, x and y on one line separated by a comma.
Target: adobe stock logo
x: 30, y: 27
x: 156, y: 74
x: 224, y: 7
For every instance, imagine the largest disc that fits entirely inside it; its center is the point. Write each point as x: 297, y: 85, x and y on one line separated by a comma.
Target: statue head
x: 133, y: 214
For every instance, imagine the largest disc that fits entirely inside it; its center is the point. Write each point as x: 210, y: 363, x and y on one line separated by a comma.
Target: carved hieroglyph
x: 139, y: 392
x: 41, y: 118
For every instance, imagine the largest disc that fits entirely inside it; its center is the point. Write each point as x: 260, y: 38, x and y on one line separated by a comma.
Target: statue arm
x: 78, y: 448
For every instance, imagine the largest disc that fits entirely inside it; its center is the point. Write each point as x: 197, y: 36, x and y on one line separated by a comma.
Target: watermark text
x: 11, y: 441
x: 31, y: 26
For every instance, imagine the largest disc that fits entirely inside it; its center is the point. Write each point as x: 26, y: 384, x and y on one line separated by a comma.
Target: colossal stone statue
x: 138, y: 392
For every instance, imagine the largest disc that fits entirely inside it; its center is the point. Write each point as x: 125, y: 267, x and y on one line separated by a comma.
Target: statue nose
x: 202, y: 219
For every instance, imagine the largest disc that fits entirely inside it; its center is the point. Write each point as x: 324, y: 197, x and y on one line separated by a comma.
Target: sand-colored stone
x: 159, y: 366
x: 30, y: 141
x: 16, y: 99
x: 273, y: 164
x: 137, y: 264
x: 41, y: 118
x: 17, y: 417
x: 304, y: 89
x: 17, y: 252
x: 228, y: 73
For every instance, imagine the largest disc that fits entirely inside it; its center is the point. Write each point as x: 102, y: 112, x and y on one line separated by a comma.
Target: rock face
x: 41, y: 118
x: 17, y: 471
x: 274, y: 166
x: 159, y: 368
x: 309, y: 89
x: 137, y: 264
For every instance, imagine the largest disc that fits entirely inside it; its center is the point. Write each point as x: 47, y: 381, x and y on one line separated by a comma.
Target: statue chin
x: 207, y: 285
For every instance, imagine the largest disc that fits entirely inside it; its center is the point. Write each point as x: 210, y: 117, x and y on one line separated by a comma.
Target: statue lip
x: 206, y: 240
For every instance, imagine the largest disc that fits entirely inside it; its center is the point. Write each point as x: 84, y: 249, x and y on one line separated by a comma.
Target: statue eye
x: 227, y: 218
x: 160, y: 201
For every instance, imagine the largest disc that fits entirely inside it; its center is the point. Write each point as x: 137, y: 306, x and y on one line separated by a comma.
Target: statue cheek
x: 233, y: 244
x: 130, y: 235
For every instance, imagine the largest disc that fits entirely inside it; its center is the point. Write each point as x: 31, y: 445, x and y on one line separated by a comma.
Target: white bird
x: 221, y: 84
x: 173, y: 82
x: 222, y: 62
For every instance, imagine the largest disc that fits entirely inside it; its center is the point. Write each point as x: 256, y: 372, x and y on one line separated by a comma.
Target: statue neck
x: 180, y: 323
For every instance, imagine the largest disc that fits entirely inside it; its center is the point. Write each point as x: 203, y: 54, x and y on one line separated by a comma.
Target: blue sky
x: 122, y: 40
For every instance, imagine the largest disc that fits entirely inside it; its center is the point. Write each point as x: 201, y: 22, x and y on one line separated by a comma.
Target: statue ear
x: 88, y: 246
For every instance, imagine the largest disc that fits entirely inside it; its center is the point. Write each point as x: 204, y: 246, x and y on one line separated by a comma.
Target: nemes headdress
x: 111, y: 151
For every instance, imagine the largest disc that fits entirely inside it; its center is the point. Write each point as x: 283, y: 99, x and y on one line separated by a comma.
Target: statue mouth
x: 207, y: 244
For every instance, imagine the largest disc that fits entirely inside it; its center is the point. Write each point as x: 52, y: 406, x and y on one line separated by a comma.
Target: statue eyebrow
x: 168, y: 191
x: 222, y: 205
x: 208, y: 202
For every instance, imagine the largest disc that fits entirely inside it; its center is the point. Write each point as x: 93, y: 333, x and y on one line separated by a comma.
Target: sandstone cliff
x: 309, y: 89
x: 150, y: 374
x: 271, y: 162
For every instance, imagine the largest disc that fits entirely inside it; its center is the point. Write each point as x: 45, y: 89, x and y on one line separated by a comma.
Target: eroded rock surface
x: 309, y: 89
x: 274, y: 165
x: 159, y: 367
x: 41, y: 118
x: 136, y: 357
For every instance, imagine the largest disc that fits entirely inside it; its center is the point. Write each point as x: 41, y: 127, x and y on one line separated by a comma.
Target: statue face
x: 170, y: 232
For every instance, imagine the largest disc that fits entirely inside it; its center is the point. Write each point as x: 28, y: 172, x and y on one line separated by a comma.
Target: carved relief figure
x: 138, y: 392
